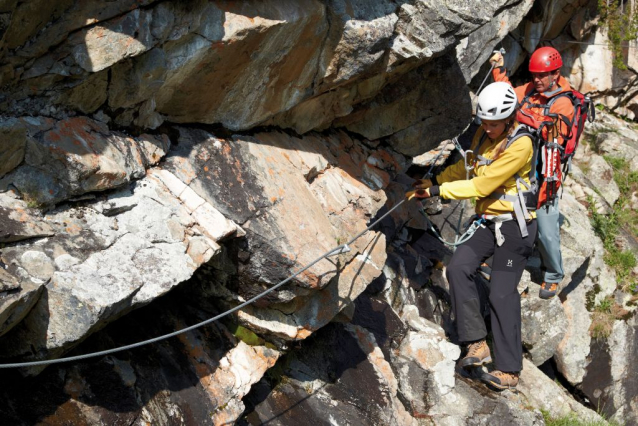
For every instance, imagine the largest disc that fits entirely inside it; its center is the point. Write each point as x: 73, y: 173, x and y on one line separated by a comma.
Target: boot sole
x: 477, y: 364
x: 547, y: 294
x: 498, y: 386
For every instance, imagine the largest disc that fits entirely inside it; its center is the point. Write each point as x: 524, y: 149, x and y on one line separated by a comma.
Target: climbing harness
x: 343, y: 248
x: 526, y: 197
x: 523, y: 202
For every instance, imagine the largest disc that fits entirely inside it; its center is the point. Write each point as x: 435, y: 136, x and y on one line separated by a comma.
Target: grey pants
x: 505, y: 302
x: 549, y: 242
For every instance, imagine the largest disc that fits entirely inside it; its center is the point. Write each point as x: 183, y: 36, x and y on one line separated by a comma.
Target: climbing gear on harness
x: 496, y: 102
x: 545, y: 59
x: 548, y: 125
x: 548, y: 290
x: 500, y: 380
x: 478, y: 353
x: 474, y: 224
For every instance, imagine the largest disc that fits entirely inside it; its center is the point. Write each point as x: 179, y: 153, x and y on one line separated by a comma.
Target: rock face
x: 309, y: 65
x: 154, y: 239
x: 76, y: 156
x: 164, y: 162
x: 296, y: 199
x: 197, y: 378
x: 607, y: 381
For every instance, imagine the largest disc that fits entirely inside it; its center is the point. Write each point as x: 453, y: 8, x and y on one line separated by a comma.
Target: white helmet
x: 496, y: 102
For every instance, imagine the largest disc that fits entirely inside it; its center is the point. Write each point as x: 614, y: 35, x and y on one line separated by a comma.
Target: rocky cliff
x: 164, y: 162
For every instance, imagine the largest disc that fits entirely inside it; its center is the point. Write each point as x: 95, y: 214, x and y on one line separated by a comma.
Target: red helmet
x: 545, y: 59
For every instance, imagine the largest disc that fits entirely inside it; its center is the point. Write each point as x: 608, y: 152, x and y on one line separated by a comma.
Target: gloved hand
x: 422, y: 183
x: 419, y: 193
x: 497, y: 59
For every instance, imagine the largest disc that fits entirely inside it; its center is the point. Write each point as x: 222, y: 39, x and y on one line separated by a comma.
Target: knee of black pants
x: 461, y: 268
x: 460, y: 278
x: 504, y: 291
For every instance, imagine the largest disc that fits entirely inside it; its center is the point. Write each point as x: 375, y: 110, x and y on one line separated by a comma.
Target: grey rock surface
x: 163, y: 162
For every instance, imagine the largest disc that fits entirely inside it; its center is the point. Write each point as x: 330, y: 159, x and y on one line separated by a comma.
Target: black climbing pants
x: 505, y: 302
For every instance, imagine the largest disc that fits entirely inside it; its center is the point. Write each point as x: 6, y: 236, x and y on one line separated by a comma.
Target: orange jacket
x: 562, y: 105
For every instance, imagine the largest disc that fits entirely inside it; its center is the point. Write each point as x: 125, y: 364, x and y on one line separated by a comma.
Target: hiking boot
x: 500, y: 380
x: 548, y: 290
x: 478, y: 353
x: 485, y: 271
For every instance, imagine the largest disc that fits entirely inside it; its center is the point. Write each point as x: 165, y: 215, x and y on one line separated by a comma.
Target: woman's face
x: 493, y: 128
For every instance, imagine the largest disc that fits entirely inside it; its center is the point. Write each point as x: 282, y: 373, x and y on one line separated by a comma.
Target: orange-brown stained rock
x: 77, y: 130
x: 303, y: 334
x: 67, y: 414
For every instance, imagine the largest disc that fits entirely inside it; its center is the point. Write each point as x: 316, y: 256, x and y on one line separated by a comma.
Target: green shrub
x: 608, y: 228
x: 571, y: 420
x: 621, y: 24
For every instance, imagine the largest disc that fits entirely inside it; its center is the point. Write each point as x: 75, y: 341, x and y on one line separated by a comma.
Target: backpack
x: 553, y: 154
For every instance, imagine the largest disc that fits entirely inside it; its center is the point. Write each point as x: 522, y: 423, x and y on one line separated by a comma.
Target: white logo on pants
x: 509, y: 263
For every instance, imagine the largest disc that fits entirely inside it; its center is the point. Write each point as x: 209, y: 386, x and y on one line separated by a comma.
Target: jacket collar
x: 562, y: 85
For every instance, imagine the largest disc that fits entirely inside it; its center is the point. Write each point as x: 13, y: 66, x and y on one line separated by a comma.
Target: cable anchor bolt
x: 339, y: 250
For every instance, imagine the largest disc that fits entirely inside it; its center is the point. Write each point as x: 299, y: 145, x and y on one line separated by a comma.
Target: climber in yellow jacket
x: 502, y: 180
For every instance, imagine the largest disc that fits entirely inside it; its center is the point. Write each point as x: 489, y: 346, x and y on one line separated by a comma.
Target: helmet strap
x: 553, y: 82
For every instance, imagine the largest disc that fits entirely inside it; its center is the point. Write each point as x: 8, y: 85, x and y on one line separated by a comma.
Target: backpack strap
x: 525, y: 198
x: 482, y: 161
x: 526, y: 99
x: 568, y: 123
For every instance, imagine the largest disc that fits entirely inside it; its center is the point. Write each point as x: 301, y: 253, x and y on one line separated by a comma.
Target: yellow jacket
x: 495, y: 177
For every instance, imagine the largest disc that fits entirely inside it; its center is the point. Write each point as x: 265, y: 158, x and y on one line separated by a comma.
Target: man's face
x: 543, y: 80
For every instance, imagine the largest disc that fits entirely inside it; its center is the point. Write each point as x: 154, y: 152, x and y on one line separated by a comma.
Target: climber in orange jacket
x: 547, y: 83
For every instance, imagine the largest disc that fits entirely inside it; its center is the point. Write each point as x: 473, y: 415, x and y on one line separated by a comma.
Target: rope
x: 459, y: 239
x: 339, y: 249
x: 485, y: 79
